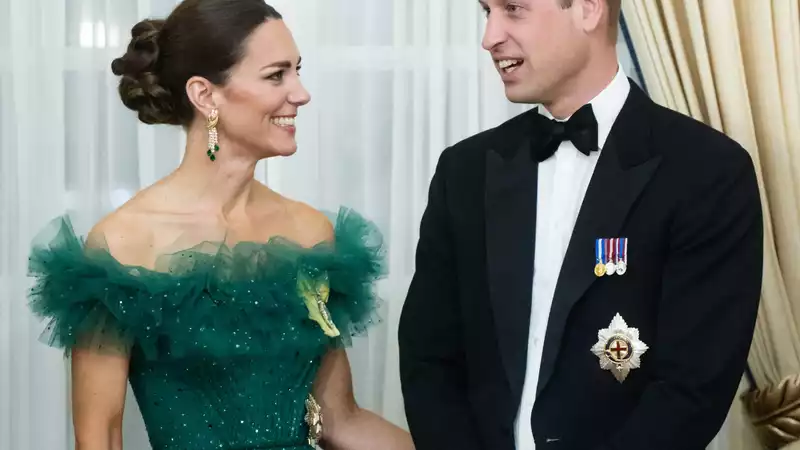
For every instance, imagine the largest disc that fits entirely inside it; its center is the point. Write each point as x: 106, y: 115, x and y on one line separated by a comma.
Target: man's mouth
x: 509, y: 65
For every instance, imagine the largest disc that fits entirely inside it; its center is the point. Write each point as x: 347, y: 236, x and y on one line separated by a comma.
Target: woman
x: 226, y: 305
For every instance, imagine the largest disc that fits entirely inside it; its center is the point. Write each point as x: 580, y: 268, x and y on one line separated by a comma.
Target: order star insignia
x: 619, y: 348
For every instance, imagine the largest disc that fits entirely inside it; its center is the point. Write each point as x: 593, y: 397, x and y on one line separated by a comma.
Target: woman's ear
x: 201, y: 94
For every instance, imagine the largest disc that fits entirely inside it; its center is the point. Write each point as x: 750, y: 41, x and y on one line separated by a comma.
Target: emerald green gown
x: 224, y: 342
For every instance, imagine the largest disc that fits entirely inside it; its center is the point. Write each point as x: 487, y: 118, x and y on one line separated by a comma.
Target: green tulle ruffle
x: 229, y: 301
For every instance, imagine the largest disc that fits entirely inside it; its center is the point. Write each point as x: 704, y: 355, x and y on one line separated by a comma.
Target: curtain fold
x: 739, y: 74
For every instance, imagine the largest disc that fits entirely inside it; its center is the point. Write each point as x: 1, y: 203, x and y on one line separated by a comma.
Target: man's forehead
x: 485, y: 3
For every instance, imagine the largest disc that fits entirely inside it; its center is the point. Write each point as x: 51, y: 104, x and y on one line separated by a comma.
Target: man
x: 589, y: 283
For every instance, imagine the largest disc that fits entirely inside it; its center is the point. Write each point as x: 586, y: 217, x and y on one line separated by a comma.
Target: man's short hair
x: 614, y: 13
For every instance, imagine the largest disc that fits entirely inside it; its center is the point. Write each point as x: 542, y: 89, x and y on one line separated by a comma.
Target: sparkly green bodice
x: 225, y: 344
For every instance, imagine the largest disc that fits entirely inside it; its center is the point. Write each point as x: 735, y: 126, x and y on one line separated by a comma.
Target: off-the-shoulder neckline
x: 277, y: 245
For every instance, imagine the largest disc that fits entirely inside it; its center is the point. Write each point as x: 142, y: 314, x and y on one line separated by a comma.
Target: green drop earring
x: 213, y: 137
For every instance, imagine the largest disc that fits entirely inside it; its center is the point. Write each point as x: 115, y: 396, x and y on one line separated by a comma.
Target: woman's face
x: 260, y: 100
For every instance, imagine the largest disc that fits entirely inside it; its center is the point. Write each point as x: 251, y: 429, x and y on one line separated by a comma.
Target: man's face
x: 536, y: 45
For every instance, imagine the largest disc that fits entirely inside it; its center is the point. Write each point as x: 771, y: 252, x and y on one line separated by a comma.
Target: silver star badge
x: 619, y: 348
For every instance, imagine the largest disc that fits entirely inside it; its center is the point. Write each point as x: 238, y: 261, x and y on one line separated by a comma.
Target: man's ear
x: 591, y: 14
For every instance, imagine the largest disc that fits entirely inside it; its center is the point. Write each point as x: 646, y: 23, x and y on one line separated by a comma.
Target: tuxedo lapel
x: 622, y: 172
x: 510, y: 206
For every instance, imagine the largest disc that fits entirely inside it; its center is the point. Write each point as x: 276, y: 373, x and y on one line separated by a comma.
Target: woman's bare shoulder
x: 308, y: 225
x: 138, y: 230
x: 312, y: 223
x: 126, y: 233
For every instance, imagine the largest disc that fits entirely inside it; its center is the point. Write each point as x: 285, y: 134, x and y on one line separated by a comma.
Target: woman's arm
x: 99, y: 383
x: 346, y: 426
x: 100, y: 362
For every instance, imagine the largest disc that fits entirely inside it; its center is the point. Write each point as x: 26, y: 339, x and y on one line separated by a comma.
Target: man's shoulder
x: 698, y: 160
x: 474, y: 147
x: 687, y: 139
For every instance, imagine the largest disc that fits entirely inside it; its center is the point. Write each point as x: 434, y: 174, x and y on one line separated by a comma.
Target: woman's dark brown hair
x: 203, y: 38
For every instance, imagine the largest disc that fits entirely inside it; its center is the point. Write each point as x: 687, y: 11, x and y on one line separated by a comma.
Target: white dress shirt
x: 562, y: 183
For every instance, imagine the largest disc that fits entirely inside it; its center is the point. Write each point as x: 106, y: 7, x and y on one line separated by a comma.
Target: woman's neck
x: 224, y: 186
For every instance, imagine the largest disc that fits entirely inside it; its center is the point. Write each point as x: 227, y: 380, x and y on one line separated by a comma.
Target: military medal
x: 610, y: 267
x: 622, y: 256
x: 599, y: 250
x: 619, y: 349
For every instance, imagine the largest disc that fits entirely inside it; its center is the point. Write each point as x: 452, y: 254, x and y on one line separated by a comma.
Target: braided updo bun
x: 202, y: 38
x: 139, y: 87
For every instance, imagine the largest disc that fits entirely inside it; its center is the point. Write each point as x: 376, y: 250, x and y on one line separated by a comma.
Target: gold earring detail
x: 213, y: 138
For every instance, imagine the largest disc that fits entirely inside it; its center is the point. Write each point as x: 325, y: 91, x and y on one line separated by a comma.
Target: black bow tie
x: 580, y: 129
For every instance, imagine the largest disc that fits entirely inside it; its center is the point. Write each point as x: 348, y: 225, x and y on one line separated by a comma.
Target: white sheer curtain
x: 393, y: 82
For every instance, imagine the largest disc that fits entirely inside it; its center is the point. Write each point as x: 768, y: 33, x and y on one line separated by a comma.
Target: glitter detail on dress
x: 223, y: 351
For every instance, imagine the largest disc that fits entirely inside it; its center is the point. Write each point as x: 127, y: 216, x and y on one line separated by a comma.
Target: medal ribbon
x: 599, y: 250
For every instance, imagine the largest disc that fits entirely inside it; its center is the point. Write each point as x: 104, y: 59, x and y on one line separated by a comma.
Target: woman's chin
x: 288, y: 150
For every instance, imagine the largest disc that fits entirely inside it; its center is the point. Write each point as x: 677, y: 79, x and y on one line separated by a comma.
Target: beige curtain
x: 735, y: 65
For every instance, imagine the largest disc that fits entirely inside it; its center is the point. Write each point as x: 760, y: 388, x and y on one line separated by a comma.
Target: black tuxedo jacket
x: 687, y: 199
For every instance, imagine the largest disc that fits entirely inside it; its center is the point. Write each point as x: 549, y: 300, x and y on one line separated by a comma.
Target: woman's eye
x: 277, y: 76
